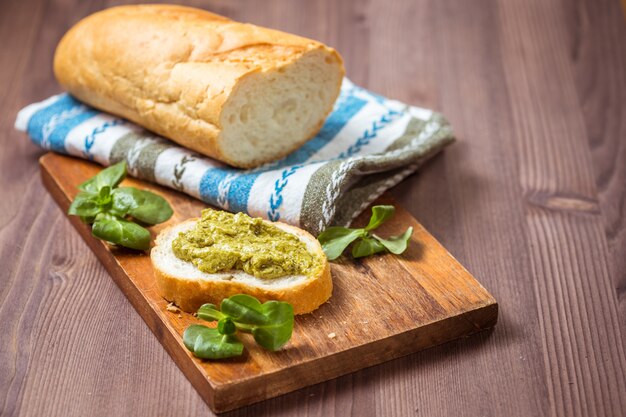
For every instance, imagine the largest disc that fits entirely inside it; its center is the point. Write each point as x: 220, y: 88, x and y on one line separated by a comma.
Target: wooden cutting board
x: 382, y: 307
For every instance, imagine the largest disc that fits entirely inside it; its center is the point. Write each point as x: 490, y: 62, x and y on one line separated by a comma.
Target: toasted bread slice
x: 184, y: 284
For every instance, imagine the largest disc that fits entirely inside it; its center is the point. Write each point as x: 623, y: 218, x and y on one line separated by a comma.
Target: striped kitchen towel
x: 367, y: 145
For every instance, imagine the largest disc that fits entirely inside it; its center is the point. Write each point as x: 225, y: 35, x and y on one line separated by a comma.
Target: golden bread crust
x: 172, y: 69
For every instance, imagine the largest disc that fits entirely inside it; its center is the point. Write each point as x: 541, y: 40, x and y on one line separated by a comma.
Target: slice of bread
x: 184, y: 284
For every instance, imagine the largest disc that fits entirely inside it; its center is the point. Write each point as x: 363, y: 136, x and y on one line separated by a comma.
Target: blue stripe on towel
x: 239, y: 192
x: 59, y: 135
x: 69, y: 113
x: 42, y: 116
x: 209, y: 184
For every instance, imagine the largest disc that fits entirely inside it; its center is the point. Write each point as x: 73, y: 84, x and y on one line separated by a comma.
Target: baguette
x: 184, y: 284
x: 236, y: 92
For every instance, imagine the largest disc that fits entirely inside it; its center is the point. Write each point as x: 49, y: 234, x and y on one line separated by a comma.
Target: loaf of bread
x: 240, y: 93
x: 184, y: 284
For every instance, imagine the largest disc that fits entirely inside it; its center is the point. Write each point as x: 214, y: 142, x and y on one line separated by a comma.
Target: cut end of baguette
x: 271, y: 113
x: 184, y: 284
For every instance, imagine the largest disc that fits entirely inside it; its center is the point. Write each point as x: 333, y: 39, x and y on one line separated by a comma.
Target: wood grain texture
x: 531, y: 200
x: 382, y: 307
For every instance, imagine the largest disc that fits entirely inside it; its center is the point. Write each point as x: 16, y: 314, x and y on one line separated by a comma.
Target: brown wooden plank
x: 600, y: 81
x: 563, y: 219
x: 479, y: 217
x: 382, y: 307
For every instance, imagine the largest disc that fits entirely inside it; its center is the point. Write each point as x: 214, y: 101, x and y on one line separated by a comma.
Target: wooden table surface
x: 532, y: 200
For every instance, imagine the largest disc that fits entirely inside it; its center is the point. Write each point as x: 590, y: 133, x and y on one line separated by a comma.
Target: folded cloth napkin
x: 367, y: 145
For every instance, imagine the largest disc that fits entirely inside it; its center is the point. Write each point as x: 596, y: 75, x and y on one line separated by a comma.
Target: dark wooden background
x: 532, y: 200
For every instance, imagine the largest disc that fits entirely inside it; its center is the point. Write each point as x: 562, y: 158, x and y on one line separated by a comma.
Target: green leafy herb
x: 110, y: 176
x: 367, y: 246
x: 271, y: 325
x: 101, y: 203
x: 207, y: 343
x: 209, y: 312
x: 380, y: 214
x: 121, y: 232
x: 226, y: 326
x: 396, y: 244
x: 85, y: 204
x: 142, y: 205
x: 336, y: 239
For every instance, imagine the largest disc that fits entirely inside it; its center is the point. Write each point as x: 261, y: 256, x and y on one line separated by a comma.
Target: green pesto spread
x: 222, y: 241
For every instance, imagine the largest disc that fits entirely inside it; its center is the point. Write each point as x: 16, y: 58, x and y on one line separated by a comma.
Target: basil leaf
x: 209, y: 312
x: 380, y: 214
x: 336, y: 239
x: 122, y: 202
x: 85, y: 205
x: 102, y: 203
x: 207, y: 343
x: 110, y: 176
x: 121, y: 232
x: 278, y: 331
x: 104, y: 197
x: 88, y: 219
x: 226, y: 326
x: 367, y: 246
x: 270, y: 323
x: 244, y: 309
x: 142, y: 205
x: 396, y: 244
